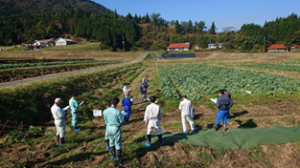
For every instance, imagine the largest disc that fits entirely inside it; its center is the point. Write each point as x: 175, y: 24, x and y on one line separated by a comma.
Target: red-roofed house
x: 295, y: 47
x: 179, y: 47
x: 277, y: 48
x: 39, y: 44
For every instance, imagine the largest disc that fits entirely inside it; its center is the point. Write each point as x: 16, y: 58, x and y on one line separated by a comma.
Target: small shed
x: 277, y: 48
x: 212, y: 46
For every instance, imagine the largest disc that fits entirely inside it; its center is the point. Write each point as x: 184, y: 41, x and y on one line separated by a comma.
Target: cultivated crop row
x: 168, y: 89
x: 194, y: 78
x: 281, y: 67
x: 6, y: 66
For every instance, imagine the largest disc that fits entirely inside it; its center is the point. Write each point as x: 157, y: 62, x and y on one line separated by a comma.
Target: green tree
x: 212, y: 29
x: 177, y: 27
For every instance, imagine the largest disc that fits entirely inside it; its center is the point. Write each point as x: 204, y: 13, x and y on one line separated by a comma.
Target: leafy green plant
x: 209, y: 79
x: 281, y: 67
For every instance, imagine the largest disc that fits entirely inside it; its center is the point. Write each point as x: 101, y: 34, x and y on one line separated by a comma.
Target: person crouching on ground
x: 187, y: 113
x: 74, y: 108
x: 126, y: 103
x: 114, y: 119
x: 144, y: 94
x: 223, y: 104
x: 152, y: 119
x: 59, y: 121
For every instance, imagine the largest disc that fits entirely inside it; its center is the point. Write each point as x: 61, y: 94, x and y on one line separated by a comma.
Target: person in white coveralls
x: 187, y: 114
x: 59, y: 120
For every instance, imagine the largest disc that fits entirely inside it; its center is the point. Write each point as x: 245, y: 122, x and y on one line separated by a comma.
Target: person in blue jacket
x: 126, y: 103
x: 74, y: 110
x: 223, y: 104
x: 114, y: 119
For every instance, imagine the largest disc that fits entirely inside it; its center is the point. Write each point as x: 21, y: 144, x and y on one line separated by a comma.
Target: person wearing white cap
x: 59, y: 120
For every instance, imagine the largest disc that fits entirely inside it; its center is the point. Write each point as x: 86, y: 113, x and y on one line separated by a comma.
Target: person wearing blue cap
x: 114, y: 119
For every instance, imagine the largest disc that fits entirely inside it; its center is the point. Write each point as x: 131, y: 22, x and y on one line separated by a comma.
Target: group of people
x: 59, y: 117
x: 114, y: 118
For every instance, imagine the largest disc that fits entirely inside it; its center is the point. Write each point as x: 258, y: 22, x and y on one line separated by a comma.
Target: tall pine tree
x: 212, y: 29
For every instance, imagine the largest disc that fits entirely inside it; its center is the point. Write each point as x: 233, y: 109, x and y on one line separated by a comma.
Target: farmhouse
x: 295, y: 47
x: 39, y: 44
x: 179, y: 47
x: 277, y: 48
x: 64, y: 41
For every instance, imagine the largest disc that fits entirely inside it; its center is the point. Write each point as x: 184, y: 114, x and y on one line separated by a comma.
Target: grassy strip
x: 31, y: 104
x: 21, y: 73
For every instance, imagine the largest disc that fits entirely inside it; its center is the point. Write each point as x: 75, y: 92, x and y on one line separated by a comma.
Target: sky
x: 225, y: 13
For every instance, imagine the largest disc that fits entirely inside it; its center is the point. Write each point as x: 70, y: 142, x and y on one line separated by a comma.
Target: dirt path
x: 38, y: 78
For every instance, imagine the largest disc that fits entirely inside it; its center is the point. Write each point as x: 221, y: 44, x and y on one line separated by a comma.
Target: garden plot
x: 281, y: 67
x: 194, y: 79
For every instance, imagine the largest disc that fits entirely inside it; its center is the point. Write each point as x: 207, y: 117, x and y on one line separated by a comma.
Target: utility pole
x: 264, y: 44
x: 123, y: 43
x: 163, y: 39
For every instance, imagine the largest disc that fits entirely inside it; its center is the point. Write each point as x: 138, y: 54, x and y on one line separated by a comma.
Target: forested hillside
x: 38, y: 7
x: 22, y: 21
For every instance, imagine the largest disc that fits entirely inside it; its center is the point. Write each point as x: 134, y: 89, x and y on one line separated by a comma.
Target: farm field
x: 27, y: 70
x: 273, y: 102
x: 78, y: 51
x: 294, y: 67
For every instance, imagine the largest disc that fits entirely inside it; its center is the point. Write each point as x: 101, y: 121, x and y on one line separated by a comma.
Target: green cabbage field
x: 281, y: 67
x: 7, y: 66
x: 196, y: 80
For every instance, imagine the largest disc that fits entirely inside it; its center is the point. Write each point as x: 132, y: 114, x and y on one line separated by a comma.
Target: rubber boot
x: 57, y: 140
x: 119, y: 154
x: 148, y: 143
x: 215, y: 127
x: 113, y: 152
x: 107, y: 144
x: 161, y: 142
x: 62, y: 141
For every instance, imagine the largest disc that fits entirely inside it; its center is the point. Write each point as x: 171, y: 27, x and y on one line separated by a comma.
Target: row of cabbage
x: 174, y: 79
x: 167, y: 88
x: 281, y: 67
x: 7, y: 66
x: 194, y: 79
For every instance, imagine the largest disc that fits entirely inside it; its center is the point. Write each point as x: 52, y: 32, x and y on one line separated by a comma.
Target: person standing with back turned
x: 126, y: 103
x: 223, y: 104
x: 152, y: 119
x: 74, y: 108
x: 113, y: 119
x: 187, y: 113
x: 227, y: 94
